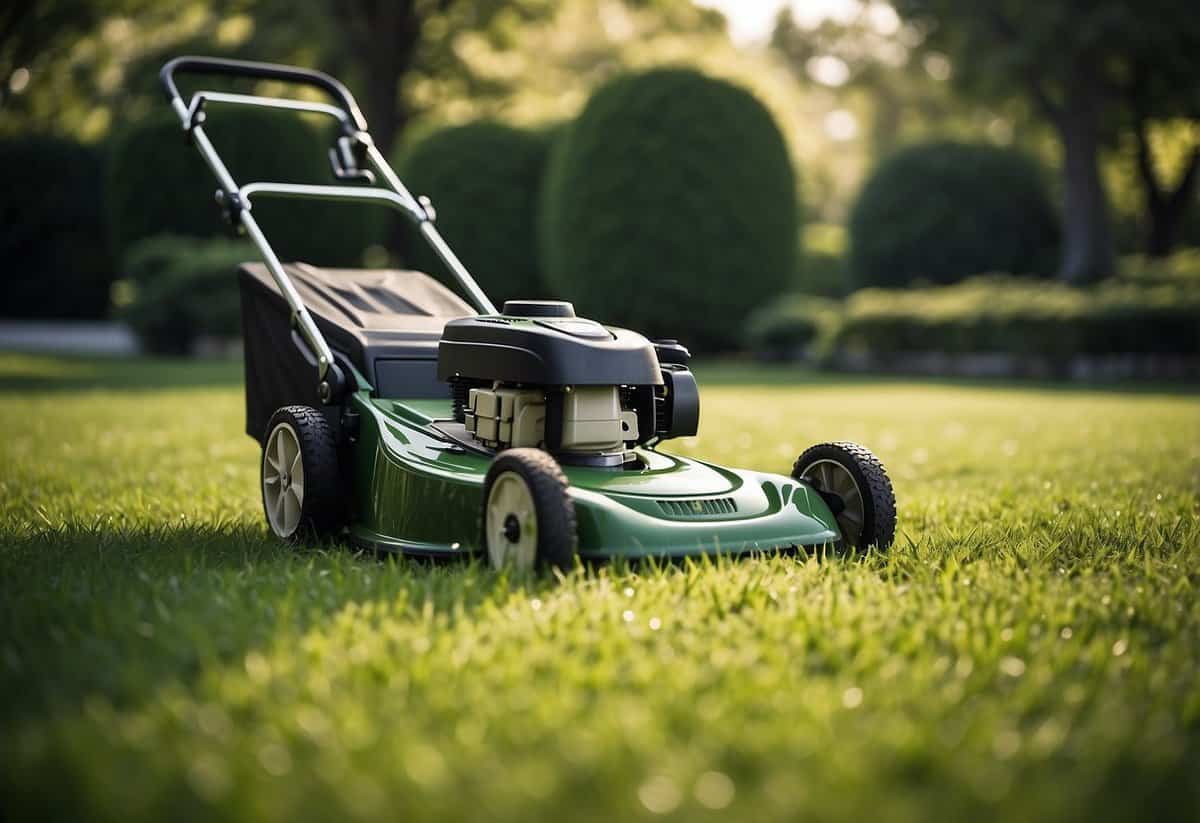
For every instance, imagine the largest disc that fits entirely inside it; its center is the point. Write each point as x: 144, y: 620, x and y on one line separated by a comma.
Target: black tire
x: 322, y: 509
x: 556, y: 540
x: 871, y: 482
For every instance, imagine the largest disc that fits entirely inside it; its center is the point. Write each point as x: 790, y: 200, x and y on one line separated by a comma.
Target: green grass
x: 1030, y: 649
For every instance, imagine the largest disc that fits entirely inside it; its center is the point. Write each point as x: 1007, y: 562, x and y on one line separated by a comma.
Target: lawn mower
x: 397, y: 415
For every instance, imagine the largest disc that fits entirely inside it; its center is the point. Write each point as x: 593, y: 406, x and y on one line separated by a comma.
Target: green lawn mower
x: 396, y: 415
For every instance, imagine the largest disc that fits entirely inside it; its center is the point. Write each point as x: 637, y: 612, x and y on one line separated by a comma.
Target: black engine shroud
x: 543, y: 344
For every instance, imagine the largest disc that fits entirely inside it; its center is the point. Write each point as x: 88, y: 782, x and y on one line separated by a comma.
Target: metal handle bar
x: 201, y: 98
x: 307, y: 191
x: 401, y: 201
x: 263, y: 71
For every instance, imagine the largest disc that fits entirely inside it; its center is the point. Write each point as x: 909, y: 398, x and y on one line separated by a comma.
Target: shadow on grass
x: 116, y: 613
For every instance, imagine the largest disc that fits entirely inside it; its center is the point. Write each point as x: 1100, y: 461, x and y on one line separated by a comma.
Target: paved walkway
x: 67, y: 337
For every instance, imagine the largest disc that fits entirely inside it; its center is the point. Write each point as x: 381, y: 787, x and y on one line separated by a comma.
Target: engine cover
x: 545, y: 351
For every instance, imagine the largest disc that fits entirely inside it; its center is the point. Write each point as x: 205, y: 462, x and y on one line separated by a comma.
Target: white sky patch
x: 828, y: 70
x: 752, y: 21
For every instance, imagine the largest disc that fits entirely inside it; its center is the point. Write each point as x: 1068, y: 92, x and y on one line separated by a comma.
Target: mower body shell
x: 417, y: 491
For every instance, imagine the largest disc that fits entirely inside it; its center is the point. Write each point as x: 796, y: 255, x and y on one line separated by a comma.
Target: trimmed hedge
x: 158, y: 184
x: 1001, y: 314
x: 940, y: 212
x: 792, y: 327
x: 670, y: 207
x: 996, y: 315
x: 53, y: 242
x: 484, y: 180
x: 181, y: 288
x: 1182, y: 268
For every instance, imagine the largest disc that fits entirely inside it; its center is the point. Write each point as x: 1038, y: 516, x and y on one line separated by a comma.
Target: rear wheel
x: 300, y: 487
x: 528, y: 515
x: 857, y: 489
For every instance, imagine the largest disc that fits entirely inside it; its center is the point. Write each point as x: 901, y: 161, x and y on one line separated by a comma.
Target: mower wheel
x: 528, y: 516
x: 300, y: 486
x: 859, y: 493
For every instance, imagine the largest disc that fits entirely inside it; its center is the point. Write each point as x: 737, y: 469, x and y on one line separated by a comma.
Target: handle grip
x: 265, y: 71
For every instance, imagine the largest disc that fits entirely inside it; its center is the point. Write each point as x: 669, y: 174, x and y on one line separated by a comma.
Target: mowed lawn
x: 1030, y: 648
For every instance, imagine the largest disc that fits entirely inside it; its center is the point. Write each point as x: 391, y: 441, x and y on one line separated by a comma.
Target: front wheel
x: 528, y: 515
x: 857, y: 489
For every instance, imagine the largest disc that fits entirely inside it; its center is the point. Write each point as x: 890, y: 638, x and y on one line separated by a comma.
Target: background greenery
x: 159, y: 184
x: 670, y: 189
x: 51, y: 226
x: 1151, y: 308
x: 484, y: 180
x: 941, y: 211
x: 1026, y: 651
x: 1049, y: 146
x: 177, y: 290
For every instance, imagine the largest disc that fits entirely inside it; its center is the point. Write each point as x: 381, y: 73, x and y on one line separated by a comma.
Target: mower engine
x: 537, y: 375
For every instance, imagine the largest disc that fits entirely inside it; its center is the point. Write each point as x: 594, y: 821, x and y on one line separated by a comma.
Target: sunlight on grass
x: 1028, y: 648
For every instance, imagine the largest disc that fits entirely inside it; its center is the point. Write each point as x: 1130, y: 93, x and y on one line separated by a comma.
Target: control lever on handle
x: 346, y: 160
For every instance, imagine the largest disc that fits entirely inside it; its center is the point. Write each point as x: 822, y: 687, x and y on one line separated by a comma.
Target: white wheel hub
x: 510, y: 523
x: 283, y: 480
x: 832, y: 477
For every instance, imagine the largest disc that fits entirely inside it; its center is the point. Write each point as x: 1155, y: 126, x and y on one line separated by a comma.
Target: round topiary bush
x: 670, y: 206
x: 941, y: 212
x: 53, y: 243
x: 484, y: 180
x: 159, y: 184
x: 178, y: 289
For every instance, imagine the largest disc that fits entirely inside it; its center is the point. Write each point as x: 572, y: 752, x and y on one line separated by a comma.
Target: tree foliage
x: 1087, y: 67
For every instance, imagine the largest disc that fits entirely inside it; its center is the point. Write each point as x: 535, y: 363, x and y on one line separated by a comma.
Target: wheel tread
x: 882, y: 530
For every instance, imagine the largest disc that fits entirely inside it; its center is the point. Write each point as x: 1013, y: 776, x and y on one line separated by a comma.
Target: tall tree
x: 1079, y: 63
x: 388, y: 42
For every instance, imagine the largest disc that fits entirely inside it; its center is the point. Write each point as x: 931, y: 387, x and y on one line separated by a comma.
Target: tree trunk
x: 1087, y: 239
x: 382, y: 38
x: 1165, y: 209
x: 384, y: 109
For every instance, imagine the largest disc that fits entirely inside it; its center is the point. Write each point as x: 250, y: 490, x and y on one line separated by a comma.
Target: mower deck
x: 417, y: 491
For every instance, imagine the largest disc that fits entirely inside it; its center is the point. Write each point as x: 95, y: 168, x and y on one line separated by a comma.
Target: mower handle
x: 351, y: 153
x: 263, y: 71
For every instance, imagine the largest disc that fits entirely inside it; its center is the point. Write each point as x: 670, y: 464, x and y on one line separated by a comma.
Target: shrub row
x: 53, y: 248
x: 177, y: 289
x: 993, y: 314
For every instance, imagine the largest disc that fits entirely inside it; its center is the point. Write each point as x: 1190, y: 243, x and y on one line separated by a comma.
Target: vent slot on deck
x: 707, y: 507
